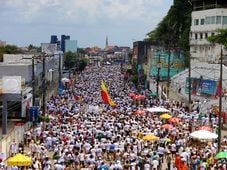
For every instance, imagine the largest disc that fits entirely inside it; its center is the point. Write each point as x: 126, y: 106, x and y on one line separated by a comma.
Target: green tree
x: 9, y: 49
x: 174, y: 28
x: 220, y: 37
x: 69, y: 59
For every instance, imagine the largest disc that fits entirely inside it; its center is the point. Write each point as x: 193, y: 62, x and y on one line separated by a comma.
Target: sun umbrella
x: 141, y: 97
x: 150, y: 138
x: 131, y: 94
x: 158, y: 109
x: 136, y: 97
x: 204, y: 128
x: 152, y: 94
x: 167, y: 126
x: 221, y: 155
x: 65, y: 80
x: 165, y: 116
x: 19, y: 160
x: 167, y: 140
x: 203, y: 134
x: 140, y: 112
x: 174, y: 120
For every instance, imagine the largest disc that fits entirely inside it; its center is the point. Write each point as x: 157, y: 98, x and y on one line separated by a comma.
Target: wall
x: 16, y: 70
x: 200, y: 49
x: 17, y: 133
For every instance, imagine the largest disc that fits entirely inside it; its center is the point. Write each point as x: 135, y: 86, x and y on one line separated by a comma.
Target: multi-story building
x: 63, y: 38
x: 207, y: 17
x: 71, y: 45
x: 54, y: 40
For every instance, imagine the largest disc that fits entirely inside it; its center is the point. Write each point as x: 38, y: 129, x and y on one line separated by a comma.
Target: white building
x: 207, y: 17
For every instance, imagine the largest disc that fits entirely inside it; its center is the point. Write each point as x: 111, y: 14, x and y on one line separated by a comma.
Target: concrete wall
x: 16, y: 70
x: 200, y: 49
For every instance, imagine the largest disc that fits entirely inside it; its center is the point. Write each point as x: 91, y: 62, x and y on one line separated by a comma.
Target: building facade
x: 63, y: 38
x: 207, y: 17
x: 54, y: 40
x: 71, y: 45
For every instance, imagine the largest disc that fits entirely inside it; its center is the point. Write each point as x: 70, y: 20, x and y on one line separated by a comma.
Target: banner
x: 201, y: 86
x: 34, y: 113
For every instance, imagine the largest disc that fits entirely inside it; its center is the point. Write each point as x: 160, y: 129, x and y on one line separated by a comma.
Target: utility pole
x: 168, y: 80
x: 33, y: 80
x: 189, y: 84
x: 44, y: 84
x: 220, y: 103
x: 158, y: 72
x: 59, y: 69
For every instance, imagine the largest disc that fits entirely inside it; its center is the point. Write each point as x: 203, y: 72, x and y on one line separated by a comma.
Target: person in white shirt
x: 13, y: 148
x: 155, y: 164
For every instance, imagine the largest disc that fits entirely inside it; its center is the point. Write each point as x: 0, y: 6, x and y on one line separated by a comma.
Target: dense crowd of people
x: 84, y: 133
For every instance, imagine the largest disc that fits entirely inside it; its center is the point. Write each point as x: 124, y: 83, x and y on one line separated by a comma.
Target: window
x: 206, y: 35
x: 196, y: 36
x: 202, y: 21
x: 212, y: 20
x: 212, y: 34
x: 196, y: 22
x: 208, y: 20
x: 201, y: 35
x: 218, y: 19
x: 224, y: 19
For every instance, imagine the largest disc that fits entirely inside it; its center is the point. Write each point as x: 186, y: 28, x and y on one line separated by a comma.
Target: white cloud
x: 87, y: 10
x: 88, y: 21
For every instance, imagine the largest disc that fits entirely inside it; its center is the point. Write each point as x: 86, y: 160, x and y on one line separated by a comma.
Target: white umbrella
x: 157, y: 109
x: 65, y: 79
x: 203, y: 134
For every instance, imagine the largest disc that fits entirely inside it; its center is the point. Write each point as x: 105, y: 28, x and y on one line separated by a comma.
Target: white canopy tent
x: 203, y: 134
x: 157, y: 109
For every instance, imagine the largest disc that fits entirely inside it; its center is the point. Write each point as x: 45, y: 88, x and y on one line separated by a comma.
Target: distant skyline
x: 25, y: 22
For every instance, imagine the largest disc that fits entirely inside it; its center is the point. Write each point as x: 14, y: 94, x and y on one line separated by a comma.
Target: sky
x: 25, y: 22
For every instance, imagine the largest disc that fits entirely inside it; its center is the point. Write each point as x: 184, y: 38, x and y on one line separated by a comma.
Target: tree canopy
x: 220, y: 37
x: 173, y: 30
x: 9, y: 49
x: 75, y: 61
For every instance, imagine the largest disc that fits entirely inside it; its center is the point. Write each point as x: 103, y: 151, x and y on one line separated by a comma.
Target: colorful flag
x: 105, y: 96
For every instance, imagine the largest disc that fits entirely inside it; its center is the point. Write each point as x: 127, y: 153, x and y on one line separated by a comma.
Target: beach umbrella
x: 165, y: 116
x: 131, y: 94
x: 174, y: 120
x: 167, y: 126
x: 140, y: 112
x: 141, y: 97
x: 136, y: 97
x: 150, y: 137
x: 221, y: 155
x: 19, y: 160
x: 167, y: 139
x: 157, y: 110
x: 65, y: 80
x: 203, y: 134
x: 204, y: 128
x: 152, y: 94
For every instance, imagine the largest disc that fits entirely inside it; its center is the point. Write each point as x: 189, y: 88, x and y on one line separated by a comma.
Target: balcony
x: 199, y: 42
